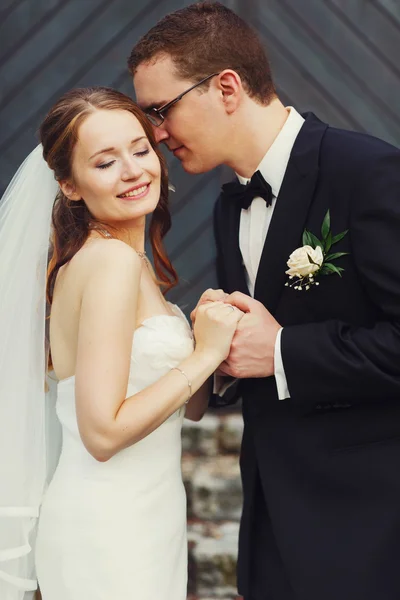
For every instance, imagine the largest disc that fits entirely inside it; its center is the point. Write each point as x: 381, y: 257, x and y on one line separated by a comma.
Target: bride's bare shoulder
x: 101, y: 250
x: 104, y: 255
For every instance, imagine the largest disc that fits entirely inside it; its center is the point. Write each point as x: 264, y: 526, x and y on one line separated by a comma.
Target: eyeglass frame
x: 165, y: 107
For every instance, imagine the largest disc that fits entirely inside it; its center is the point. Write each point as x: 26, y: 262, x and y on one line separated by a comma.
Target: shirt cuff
x: 280, y: 377
x: 222, y: 383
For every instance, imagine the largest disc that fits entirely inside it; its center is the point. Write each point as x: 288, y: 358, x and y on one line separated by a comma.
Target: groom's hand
x: 253, y: 346
x: 209, y: 295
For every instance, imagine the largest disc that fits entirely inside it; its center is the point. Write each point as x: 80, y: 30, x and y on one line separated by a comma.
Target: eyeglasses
x: 156, y: 115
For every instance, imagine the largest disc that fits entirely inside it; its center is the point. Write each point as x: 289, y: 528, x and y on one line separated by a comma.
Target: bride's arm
x: 107, y: 421
x: 198, y: 403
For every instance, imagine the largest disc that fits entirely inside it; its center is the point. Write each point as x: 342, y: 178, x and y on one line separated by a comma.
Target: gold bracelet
x: 187, y: 379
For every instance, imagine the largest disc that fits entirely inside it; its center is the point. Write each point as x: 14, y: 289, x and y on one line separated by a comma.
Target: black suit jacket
x: 321, y: 470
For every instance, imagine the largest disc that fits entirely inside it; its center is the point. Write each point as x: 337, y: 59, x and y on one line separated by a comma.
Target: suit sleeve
x: 224, y: 394
x: 219, y: 259
x: 333, y: 360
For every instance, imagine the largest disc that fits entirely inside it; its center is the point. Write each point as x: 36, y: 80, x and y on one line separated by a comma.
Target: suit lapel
x: 290, y: 213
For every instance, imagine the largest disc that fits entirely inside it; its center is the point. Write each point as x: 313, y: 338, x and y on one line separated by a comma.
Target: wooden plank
x: 391, y: 7
x: 113, y: 64
x: 196, y: 209
x: 21, y: 21
x: 318, y: 63
x: 348, y: 50
x: 8, y: 6
x: 297, y: 83
x: 49, y: 46
x: 191, y: 266
x: 374, y: 26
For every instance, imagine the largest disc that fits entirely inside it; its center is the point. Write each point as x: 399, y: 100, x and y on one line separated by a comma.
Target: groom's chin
x: 195, y: 167
x: 192, y: 169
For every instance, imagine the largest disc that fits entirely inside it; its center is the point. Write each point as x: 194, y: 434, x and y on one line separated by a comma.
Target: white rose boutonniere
x: 314, y: 258
x: 299, y: 261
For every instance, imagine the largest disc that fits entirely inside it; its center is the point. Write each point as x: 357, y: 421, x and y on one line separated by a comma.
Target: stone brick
x: 215, y: 488
x: 189, y: 465
x: 214, y: 552
x: 210, y: 467
x: 230, y: 433
x: 201, y: 437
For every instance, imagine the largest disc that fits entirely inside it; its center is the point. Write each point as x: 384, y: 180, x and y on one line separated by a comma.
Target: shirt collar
x: 273, y: 165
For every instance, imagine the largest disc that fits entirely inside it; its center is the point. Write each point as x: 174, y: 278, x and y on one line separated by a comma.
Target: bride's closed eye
x: 142, y: 152
x: 106, y: 165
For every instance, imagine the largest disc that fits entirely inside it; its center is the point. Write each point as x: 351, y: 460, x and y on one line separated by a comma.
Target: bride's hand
x: 214, y: 328
x: 209, y: 295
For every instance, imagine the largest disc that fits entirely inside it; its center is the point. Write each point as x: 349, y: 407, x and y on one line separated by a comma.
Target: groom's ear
x: 68, y: 189
x: 231, y: 88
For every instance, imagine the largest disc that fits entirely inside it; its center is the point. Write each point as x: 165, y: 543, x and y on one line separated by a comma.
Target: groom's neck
x: 255, y: 130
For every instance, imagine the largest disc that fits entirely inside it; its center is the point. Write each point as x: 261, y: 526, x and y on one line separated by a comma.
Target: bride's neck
x: 134, y: 237
x: 131, y: 234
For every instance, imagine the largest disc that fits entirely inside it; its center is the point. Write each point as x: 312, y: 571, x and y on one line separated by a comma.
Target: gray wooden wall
x: 339, y: 58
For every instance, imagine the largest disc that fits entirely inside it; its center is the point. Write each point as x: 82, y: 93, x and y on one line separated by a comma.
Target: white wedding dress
x: 117, y: 530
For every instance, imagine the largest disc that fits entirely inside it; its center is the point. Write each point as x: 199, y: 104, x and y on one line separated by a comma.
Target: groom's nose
x: 160, y: 133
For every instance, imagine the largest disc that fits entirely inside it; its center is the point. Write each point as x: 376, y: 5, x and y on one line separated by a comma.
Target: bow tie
x: 244, y: 194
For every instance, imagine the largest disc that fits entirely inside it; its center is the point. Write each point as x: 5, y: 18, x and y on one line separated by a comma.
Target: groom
x: 317, y: 355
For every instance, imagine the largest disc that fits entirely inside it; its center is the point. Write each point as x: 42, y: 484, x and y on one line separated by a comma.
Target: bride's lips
x: 138, y: 196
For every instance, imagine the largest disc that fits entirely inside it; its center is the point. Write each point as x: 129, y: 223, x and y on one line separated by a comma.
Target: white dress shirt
x: 254, y: 224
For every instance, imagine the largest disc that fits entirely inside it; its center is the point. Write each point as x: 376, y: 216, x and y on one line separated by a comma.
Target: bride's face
x: 114, y: 168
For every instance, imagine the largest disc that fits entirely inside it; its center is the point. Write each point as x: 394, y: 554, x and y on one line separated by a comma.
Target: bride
x: 112, y: 522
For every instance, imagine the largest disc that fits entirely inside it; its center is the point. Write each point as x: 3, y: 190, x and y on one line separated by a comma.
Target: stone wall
x: 211, y: 474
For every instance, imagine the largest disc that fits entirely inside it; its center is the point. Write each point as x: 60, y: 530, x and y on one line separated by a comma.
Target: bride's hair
x: 72, y: 219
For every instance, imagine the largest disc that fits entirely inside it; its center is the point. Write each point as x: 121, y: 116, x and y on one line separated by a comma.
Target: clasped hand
x: 253, y: 345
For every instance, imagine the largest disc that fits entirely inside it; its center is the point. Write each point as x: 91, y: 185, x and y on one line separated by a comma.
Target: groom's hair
x: 207, y: 38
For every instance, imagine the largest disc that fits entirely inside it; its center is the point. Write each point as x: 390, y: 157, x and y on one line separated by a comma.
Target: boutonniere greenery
x: 314, y: 258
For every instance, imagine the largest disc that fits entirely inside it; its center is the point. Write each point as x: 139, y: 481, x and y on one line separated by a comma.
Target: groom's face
x: 193, y: 127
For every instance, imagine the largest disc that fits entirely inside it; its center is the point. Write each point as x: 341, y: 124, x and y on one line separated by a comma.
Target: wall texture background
x: 337, y: 58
